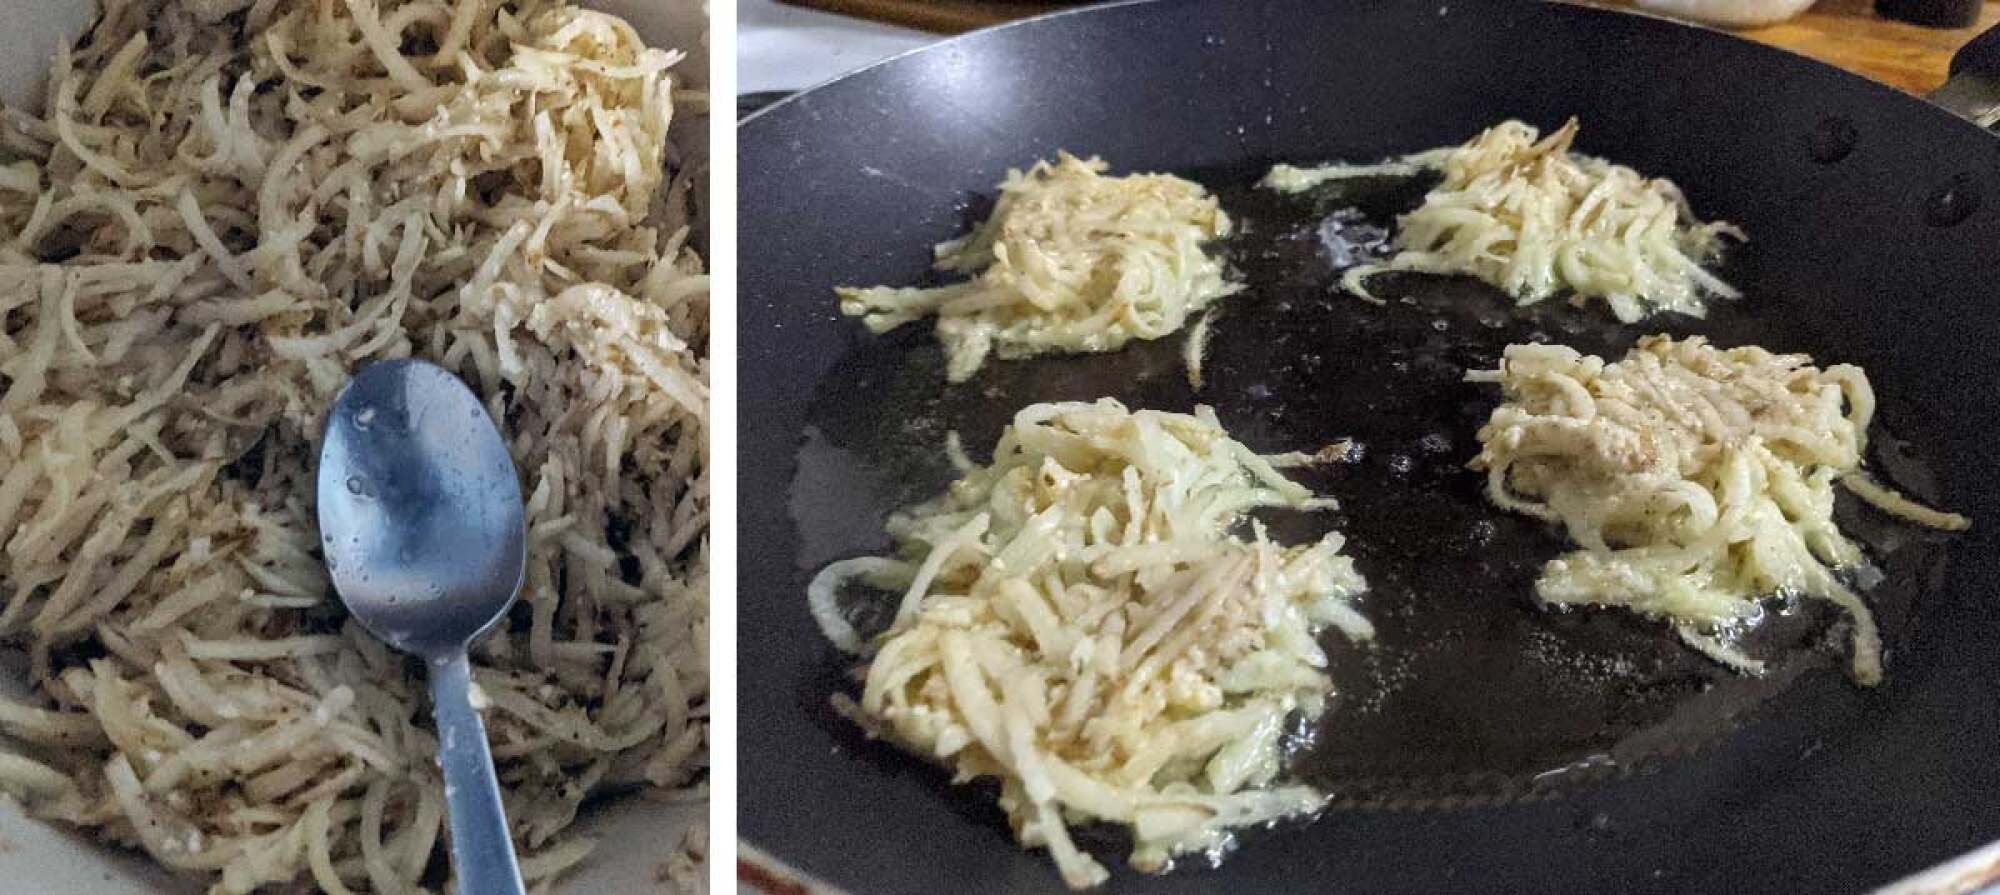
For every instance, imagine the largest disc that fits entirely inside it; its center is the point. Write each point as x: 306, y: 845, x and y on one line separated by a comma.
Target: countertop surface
x: 785, y: 45
x: 1847, y: 33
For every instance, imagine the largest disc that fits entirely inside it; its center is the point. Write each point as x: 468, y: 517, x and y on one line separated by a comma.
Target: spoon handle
x: 482, y: 854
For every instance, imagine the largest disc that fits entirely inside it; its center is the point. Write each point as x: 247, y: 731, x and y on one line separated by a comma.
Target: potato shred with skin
x: 1695, y: 480
x: 1070, y: 261
x: 1086, y: 620
x: 1524, y: 213
x: 227, y: 207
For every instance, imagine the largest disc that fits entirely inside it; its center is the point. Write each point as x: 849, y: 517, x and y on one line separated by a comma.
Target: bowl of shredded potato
x: 213, y: 211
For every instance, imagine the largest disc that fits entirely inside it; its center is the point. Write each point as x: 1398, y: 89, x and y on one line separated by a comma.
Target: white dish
x: 635, y: 835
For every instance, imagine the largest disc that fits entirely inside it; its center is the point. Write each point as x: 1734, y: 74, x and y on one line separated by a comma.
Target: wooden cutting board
x: 941, y: 16
x: 1846, y: 33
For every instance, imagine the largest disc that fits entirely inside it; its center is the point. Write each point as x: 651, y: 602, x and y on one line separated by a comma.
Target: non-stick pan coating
x: 1669, y: 775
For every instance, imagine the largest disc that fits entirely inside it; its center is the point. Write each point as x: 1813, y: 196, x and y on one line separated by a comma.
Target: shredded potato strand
x: 1524, y: 213
x: 1090, y: 629
x: 1070, y: 261
x: 226, y: 209
x: 1695, y: 480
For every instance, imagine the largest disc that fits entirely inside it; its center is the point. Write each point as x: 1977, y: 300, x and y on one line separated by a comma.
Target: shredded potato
x: 1069, y: 261
x: 1294, y: 179
x: 1194, y: 352
x: 1080, y: 621
x: 227, y: 207
x: 1525, y: 214
x: 685, y: 872
x: 1695, y: 480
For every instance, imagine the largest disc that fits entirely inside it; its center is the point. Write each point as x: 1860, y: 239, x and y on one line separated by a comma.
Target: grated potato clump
x: 226, y: 208
x: 1070, y: 261
x: 1695, y: 480
x: 1524, y: 213
x: 1085, y: 621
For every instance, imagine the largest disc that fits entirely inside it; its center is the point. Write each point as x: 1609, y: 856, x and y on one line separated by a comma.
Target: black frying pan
x: 1484, y: 745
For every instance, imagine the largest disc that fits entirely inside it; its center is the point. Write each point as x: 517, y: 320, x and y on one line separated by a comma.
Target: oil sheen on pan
x: 1471, y: 693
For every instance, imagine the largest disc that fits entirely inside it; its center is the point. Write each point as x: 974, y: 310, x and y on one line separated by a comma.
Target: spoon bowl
x: 419, y: 508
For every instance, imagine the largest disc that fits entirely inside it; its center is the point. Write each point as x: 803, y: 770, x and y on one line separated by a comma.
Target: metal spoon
x: 420, y: 514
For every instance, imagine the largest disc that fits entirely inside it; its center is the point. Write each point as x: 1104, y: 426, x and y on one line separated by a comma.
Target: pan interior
x: 1471, y: 693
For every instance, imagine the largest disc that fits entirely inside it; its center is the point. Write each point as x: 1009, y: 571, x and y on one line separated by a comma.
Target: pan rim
x: 1582, y: 8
